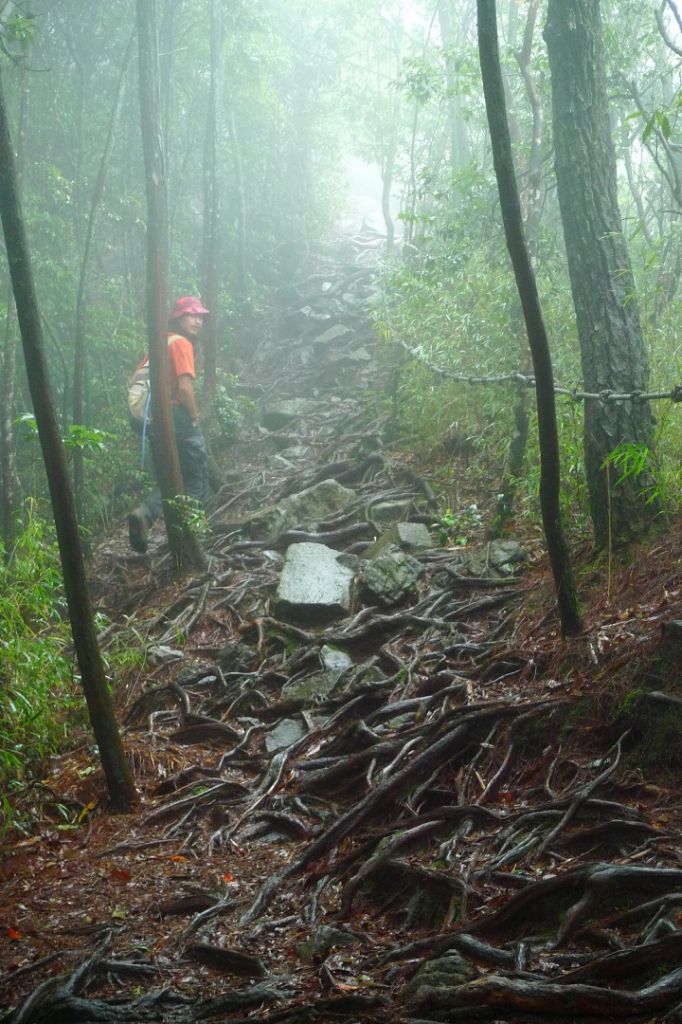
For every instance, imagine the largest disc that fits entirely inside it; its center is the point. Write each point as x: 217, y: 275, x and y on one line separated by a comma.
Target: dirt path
x: 377, y: 814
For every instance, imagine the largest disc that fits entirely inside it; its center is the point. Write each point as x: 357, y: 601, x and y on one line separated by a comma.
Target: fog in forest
x: 281, y: 129
x: 340, y: 493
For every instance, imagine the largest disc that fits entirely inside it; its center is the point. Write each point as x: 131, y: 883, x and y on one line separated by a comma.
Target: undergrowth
x: 462, y: 315
x: 37, y: 686
x: 41, y: 704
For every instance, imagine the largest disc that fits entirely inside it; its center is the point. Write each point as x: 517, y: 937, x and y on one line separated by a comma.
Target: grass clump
x: 38, y: 695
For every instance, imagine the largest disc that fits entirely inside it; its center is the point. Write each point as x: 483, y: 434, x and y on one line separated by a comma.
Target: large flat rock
x: 303, y: 509
x: 408, y: 536
x: 314, y: 586
x: 282, y: 414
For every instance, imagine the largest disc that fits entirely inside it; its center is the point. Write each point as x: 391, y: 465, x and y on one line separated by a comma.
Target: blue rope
x: 145, y: 423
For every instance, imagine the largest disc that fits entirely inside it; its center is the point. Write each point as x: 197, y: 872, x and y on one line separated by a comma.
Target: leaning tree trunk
x: 185, y: 548
x: 607, y: 314
x: 531, y: 205
x: 117, y: 772
x: 537, y: 336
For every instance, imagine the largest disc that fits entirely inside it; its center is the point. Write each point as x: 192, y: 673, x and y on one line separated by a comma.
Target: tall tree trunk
x: 80, y: 361
x: 242, y: 271
x: 531, y: 207
x: 387, y: 169
x: 537, y: 336
x: 117, y: 772
x: 211, y: 234
x: 11, y: 485
x: 9, y: 476
x: 185, y: 548
x: 458, y: 137
x: 211, y: 246
x: 607, y: 313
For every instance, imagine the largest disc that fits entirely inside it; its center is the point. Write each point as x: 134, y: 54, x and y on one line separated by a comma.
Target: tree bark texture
x: 117, y: 771
x: 493, y: 89
x: 184, y: 546
x: 607, y: 314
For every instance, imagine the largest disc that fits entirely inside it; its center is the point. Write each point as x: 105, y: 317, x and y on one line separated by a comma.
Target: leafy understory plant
x: 38, y: 694
x: 454, y: 528
x: 633, y: 461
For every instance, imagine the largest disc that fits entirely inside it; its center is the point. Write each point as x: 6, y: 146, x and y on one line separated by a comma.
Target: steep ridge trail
x: 363, y: 798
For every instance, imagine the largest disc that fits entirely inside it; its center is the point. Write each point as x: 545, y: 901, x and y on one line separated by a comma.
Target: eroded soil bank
x: 376, y: 784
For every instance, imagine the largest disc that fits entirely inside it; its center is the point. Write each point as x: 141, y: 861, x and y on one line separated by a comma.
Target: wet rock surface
x: 314, y: 585
x: 390, y: 576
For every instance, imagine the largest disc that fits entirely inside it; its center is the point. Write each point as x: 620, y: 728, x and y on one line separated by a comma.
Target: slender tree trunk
x: 242, y: 254
x: 209, y: 333
x: 211, y: 232
x: 182, y: 541
x: 531, y: 206
x: 11, y: 485
x: 387, y: 172
x: 80, y: 362
x: 537, y: 336
x: 458, y: 138
x: 117, y: 772
x: 604, y: 296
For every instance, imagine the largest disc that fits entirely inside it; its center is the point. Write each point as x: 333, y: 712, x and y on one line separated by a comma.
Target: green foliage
x: 636, y: 462
x: 191, y: 513
x: 38, y: 696
x: 18, y: 31
x: 232, y: 411
x: 88, y: 439
x: 456, y: 528
x: 41, y: 703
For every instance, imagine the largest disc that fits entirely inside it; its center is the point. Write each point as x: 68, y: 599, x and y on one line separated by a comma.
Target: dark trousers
x: 193, y: 464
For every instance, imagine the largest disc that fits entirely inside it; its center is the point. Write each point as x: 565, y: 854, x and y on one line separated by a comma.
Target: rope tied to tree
x: 527, y: 380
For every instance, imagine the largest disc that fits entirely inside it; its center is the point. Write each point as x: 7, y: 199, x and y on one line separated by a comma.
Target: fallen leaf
x: 82, y: 815
x: 13, y: 934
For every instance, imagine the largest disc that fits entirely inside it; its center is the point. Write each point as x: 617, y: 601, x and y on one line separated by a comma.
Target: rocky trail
x: 372, y: 785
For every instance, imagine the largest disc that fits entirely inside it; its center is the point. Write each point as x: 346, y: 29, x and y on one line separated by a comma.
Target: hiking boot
x: 138, y: 530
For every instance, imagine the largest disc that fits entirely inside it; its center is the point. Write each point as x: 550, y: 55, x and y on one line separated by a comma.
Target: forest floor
x: 435, y: 809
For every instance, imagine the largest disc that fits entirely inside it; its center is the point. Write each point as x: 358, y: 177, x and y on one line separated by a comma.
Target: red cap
x: 188, y: 304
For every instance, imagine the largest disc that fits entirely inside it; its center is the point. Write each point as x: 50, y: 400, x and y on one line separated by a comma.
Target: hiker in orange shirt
x: 186, y: 320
